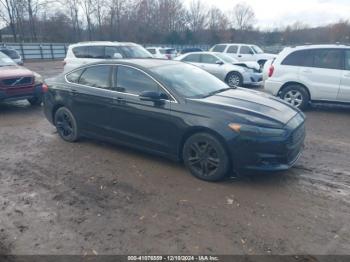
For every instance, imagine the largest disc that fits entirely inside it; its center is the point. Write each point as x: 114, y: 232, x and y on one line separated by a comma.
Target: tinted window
x: 80, y: 52
x: 208, y: 59
x: 232, y: 49
x: 347, y: 59
x: 167, y: 51
x: 328, y: 58
x: 245, y: 50
x: 96, y: 52
x: 134, y: 52
x: 133, y: 81
x: 111, y: 50
x: 219, y: 48
x: 297, y: 58
x: 195, y: 58
x: 96, y: 76
x: 74, y: 76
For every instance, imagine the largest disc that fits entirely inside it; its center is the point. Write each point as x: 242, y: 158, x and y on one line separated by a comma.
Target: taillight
x: 271, y: 70
x: 45, y: 88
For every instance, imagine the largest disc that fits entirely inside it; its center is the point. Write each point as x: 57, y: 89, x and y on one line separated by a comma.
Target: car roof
x: 159, y: 47
x: 316, y: 46
x: 140, y: 62
x: 103, y: 43
x: 234, y: 44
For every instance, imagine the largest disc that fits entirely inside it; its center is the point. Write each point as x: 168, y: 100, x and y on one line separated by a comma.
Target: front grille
x: 297, y: 135
x: 18, y: 81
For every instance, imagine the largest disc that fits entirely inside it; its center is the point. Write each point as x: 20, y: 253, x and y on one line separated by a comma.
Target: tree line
x: 150, y: 21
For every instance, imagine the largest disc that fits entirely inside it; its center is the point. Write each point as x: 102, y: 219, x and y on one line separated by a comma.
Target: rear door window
x: 219, y: 48
x: 347, y: 60
x: 328, y: 58
x: 134, y: 81
x: 97, y: 52
x: 232, y: 49
x: 194, y: 58
x: 97, y: 76
x: 74, y: 76
x: 208, y: 59
x: 297, y: 58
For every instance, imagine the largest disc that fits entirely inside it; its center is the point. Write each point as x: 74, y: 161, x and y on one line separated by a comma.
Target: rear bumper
x: 272, y: 87
x: 9, y: 94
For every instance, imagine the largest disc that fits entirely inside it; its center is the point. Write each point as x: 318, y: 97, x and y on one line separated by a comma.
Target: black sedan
x: 178, y: 111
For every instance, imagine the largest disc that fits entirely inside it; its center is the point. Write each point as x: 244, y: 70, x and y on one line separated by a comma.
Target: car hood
x: 252, y: 106
x: 14, y: 71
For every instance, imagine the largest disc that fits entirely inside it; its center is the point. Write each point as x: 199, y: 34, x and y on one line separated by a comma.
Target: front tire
x: 205, y: 157
x: 296, y: 95
x: 234, y: 79
x: 66, y: 125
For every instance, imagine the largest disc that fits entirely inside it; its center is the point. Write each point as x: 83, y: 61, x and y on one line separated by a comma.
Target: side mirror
x: 219, y: 62
x: 251, y: 52
x: 153, y: 96
x: 117, y: 56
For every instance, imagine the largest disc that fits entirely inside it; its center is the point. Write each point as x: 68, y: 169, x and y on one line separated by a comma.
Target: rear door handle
x: 239, y: 55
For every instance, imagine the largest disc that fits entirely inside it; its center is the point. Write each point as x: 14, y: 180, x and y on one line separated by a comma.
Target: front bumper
x: 253, y: 79
x: 269, y: 154
x: 14, y: 94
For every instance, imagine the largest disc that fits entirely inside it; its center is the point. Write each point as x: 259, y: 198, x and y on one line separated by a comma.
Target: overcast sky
x: 277, y: 13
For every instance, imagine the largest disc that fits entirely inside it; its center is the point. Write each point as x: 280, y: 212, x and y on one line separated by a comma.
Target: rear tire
x: 234, y: 79
x: 205, y: 157
x: 35, y: 101
x: 66, y: 125
x: 296, y: 95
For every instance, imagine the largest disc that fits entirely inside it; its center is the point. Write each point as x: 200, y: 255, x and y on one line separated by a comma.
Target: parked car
x: 89, y: 52
x: 244, y: 52
x: 305, y: 74
x: 13, y: 54
x: 162, y: 52
x: 190, y: 50
x: 18, y: 83
x: 179, y: 111
x: 226, y: 68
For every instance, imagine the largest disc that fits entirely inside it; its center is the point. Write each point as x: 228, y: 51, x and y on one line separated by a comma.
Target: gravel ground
x: 96, y: 198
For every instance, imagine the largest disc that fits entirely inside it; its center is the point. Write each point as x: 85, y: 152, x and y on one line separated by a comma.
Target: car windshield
x: 257, y: 49
x: 227, y: 58
x: 6, y: 61
x: 189, y: 81
x: 135, y: 52
x: 11, y: 53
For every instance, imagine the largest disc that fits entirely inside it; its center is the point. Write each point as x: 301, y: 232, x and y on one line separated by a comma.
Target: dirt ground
x: 91, y: 197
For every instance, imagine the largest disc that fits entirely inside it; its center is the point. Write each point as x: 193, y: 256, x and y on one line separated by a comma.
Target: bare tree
x: 88, y: 7
x: 196, y: 16
x: 243, y: 16
x: 9, y: 15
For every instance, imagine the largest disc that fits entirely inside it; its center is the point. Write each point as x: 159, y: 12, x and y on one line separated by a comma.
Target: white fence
x: 58, y: 50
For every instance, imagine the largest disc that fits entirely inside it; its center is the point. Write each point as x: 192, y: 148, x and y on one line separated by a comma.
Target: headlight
x: 38, y: 79
x: 249, y: 130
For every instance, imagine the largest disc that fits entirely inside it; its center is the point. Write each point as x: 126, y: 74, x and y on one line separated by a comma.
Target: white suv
x: 88, y: 52
x: 303, y: 74
x: 244, y: 52
x: 162, y: 52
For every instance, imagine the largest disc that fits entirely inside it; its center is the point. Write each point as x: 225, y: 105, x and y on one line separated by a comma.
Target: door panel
x: 344, y: 90
x: 322, y: 73
x: 245, y: 54
x: 144, y: 124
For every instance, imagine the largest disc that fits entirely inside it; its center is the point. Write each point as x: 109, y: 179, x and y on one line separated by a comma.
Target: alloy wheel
x: 64, y: 124
x: 294, y: 97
